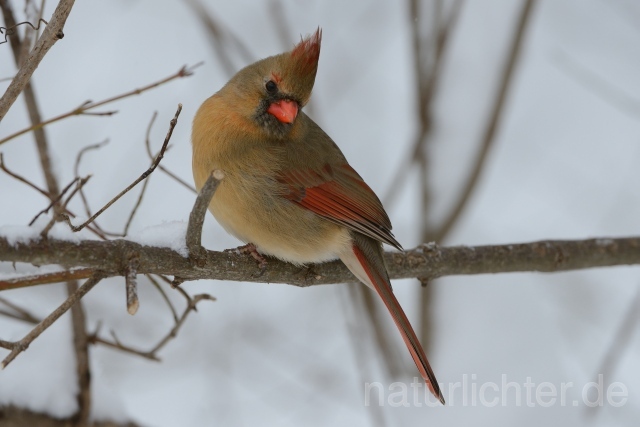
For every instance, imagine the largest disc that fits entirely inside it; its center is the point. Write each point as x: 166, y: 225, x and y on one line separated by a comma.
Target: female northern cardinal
x: 288, y: 190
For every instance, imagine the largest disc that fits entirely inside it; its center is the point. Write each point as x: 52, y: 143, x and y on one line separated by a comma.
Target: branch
x: 196, y: 218
x: 429, y: 261
x: 51, y: 34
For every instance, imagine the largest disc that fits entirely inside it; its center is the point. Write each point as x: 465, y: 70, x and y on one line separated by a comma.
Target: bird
x: 288, y: 191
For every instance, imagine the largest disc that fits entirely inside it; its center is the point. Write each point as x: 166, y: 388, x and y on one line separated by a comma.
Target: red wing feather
x: 340, y: 195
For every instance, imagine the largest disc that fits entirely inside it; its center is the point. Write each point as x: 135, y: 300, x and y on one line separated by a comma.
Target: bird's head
x: 274, y: 89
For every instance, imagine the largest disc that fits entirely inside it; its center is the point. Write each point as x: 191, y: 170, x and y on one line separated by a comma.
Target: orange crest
x: 307, y: 52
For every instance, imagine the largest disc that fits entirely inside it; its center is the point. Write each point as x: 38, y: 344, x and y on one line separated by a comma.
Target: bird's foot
x: 250, y: 249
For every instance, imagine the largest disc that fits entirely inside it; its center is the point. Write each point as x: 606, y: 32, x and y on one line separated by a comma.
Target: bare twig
x: 22, y: 179
x: 85, y: 202
x: 76, y: 167
x: 152, y: 354
x: 51, y: 34
x: 160, y: 167
x: 144, y: 175
x: 185, y: 71
x: 20, y: 346
x: 83, y: 197
x: 115, y: 344
x: 15, y: 176
x: 56, y: 217
x: 164, y: 296
x: 196, y: 218
x: 135, y: 208
x: 47, y: 278
x: 54, y: 201
x: 192, y: 306
x: 22, y: 314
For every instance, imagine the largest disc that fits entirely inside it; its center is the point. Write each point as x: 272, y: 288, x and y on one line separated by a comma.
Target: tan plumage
x: 288, y: 188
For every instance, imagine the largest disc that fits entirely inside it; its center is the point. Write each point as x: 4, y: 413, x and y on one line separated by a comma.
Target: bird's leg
x: 250, y: 249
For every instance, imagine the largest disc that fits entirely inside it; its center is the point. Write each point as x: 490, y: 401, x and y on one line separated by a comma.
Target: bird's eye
x: 271, y: 86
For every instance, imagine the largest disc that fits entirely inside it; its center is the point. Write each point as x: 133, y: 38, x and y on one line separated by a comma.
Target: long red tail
x: 367, y: 254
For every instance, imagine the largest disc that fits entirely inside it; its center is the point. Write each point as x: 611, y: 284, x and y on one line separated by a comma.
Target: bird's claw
x: 250, y: 249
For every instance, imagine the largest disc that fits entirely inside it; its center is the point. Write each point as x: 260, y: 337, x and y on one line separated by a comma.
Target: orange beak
x: 284, y: 110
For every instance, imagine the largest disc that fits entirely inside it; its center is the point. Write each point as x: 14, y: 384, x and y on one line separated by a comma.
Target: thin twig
x: 152, y: 354
x: 55, y: 218
x: 54, y: 201
x: 144, y: 175
x: 94, y: 339
x: 76, y: 169
x: 185, y: 71
x: 164, y: 296
x: 20, y: 346
x: 45, y: 279
x: 22, y: 179
x: 135, y: 208
x: 85, y: 202
x: 161, y: 167
x: 23, y: 314
x: 174, y: 331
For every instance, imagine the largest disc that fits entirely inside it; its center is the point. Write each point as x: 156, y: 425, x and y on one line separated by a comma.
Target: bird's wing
x: 340, y: 195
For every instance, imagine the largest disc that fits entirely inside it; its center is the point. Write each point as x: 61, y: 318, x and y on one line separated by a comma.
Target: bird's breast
x: 253, y: 211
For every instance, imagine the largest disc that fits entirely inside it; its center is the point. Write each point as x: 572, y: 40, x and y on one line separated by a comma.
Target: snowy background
x: 565, y: 165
